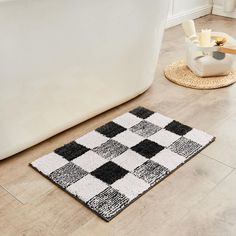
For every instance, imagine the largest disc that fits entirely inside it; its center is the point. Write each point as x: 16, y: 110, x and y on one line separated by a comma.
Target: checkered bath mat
x: 110, y: 167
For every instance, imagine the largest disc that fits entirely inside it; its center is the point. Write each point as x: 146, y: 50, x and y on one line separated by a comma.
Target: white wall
x: 218, y: 9
x: 181, y: 10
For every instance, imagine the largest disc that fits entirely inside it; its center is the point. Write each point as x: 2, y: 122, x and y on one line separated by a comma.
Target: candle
x: 205, y: 38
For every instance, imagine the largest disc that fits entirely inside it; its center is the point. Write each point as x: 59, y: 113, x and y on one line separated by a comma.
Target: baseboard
x: 219, y: 10
x: 190, y: 14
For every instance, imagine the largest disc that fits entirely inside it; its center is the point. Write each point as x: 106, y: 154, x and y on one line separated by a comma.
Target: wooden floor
x: 198, y: 199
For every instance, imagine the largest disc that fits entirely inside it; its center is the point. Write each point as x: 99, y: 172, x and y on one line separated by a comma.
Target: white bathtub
x: 64, y: 61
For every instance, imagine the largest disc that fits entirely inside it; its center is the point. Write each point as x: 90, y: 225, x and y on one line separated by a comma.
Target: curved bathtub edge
x: 86, y: 117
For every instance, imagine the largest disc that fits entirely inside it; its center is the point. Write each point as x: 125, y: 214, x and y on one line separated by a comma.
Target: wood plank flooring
x: 197, y: 199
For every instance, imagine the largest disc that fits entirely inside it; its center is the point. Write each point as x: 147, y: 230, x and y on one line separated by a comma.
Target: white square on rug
x: 112, y: 166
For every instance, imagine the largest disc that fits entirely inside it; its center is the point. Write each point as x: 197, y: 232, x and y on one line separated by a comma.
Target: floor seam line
x: 18, y: 200
x: 218, y: 161
x: 194, y: 205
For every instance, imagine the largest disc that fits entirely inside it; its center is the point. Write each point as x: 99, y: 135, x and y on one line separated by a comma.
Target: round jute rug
x: 179, y: 73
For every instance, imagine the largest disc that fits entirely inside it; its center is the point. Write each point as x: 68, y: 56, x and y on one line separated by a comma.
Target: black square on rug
x: 110, y: 167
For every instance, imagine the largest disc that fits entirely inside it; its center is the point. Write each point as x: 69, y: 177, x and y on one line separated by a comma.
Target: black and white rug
x: 110, y: 167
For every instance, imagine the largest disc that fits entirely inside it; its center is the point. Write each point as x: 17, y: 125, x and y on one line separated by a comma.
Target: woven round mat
x: 179, y: 73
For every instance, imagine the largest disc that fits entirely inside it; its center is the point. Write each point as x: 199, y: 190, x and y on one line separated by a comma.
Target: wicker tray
x: 180, y: 74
